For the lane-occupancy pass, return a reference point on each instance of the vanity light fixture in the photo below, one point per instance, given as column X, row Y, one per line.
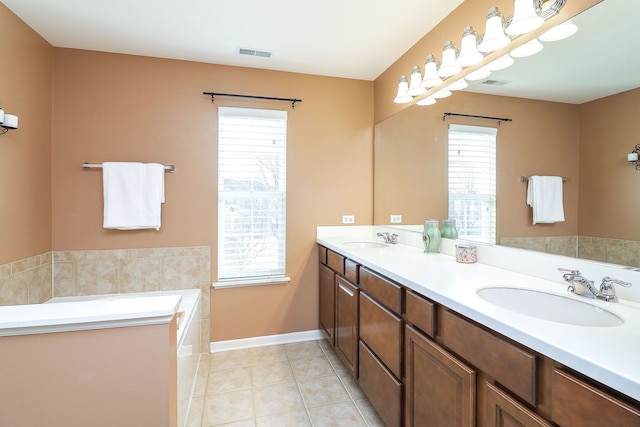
column 449, row 66
column 525, row 18
column 7, row 122
column 559, row 32
column 431, row 77
column 494, row 36
column 530, row 48
column 403, row 97
column 528, row 16
column 415, row 83
column 469, row 54
column 633, row 157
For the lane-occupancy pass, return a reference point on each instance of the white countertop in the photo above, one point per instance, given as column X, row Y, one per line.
column 90, row 314
column 606, row 354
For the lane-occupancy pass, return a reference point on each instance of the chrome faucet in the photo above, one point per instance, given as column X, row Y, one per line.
column 580, row 285
column 389, row 238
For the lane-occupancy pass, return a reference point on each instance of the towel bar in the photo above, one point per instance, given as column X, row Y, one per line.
column 526, row 178
column 87, row 166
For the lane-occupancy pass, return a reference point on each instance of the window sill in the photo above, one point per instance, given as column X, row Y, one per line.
column 251, row 282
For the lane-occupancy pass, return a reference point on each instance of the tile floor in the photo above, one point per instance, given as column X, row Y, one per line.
column 298, row 384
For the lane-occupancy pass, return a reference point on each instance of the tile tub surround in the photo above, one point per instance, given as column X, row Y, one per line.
column 95, row 272
column 604, row 354
column 26, row 281
column 296, row 384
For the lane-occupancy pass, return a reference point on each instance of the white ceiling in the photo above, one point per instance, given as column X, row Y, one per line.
column 342, row 38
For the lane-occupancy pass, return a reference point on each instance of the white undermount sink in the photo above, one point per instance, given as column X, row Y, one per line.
column 365, row 244
column 551, row 307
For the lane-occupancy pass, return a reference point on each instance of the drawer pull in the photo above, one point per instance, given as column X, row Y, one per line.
column 347, row 290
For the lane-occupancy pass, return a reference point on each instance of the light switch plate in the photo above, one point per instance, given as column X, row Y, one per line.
column 395, row 219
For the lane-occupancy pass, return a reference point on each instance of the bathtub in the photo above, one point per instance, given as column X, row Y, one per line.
column 188, row 337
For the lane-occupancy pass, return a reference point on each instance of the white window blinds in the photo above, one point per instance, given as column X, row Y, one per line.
column 472, row 181
column 252, row 149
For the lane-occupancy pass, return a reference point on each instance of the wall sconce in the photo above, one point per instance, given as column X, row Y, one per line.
column 7, row 121
column 633, row 157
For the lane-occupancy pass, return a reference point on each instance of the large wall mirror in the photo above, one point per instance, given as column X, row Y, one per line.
column 575, row 111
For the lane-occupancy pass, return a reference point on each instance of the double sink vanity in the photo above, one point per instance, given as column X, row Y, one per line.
column 433, row 342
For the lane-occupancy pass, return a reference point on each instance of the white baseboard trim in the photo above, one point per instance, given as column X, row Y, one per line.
column 218, row 346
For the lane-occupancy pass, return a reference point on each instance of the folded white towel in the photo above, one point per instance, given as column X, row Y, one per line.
column 133, row 194
column 544, row 195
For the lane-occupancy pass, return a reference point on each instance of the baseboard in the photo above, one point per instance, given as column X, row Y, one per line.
column 218, row 346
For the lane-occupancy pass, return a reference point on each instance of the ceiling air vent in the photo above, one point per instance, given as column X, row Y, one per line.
column 495, row 82
column 254, row 52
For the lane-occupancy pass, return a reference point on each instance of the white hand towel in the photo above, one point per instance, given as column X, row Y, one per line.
column 133, row 194
column 544, row 195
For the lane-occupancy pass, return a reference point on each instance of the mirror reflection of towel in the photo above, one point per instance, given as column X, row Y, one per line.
column 544, row 195
column 133, row 194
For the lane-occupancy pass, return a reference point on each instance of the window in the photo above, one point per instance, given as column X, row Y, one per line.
column 252, row 147
column 472, row 181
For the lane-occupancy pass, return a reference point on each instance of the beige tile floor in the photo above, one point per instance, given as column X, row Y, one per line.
column 298, row 384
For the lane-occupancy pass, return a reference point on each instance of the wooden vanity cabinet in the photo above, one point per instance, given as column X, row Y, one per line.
column 421, row 364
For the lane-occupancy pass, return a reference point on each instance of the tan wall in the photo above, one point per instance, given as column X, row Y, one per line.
column 609, row 195
column 411, row 159
column 112, row 107
column 106, row 377
column 25, row 153
column 470, row 12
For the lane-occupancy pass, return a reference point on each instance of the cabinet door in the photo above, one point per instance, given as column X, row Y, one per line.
column 347, row 324
column 501, row 410
column 439, row 389
column 327, row 302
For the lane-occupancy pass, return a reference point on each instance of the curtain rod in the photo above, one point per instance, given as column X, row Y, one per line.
column 499, row 119
column 270, row 98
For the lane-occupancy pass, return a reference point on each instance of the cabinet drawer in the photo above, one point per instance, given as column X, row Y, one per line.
column 322, row 254
column 381, row 330
column 382, row 389
column 352, row 271
column 503, row 410
column 335, row 261
column 507, row 364
column 389, row 294
column 420, row 312
column 576, row 403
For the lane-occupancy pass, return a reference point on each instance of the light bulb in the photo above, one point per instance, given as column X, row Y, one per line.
column 525, row 18
column 449, row 67
column 402, row 97
column 431, row 77
column 415, row 89
column 529, row 48
column 501, row 63
column 469, row 54
column 559, row 32
column 494, row 37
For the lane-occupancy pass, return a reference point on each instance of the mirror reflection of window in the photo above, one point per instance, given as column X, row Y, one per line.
column 472, row 181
